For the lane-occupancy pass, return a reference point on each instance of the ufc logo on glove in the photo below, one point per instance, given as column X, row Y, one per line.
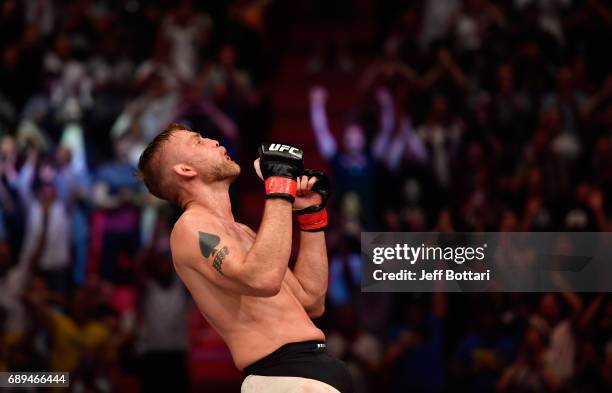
column 281, row 148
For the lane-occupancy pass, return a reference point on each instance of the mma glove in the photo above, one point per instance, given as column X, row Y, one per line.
column 280, row 166
column 314, row 218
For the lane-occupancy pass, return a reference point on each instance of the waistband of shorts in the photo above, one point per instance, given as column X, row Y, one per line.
column 314, row 346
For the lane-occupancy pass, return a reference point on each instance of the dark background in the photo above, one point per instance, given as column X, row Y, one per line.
column 441, row 115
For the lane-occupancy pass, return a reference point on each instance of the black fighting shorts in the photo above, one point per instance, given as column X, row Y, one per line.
column 308, row 359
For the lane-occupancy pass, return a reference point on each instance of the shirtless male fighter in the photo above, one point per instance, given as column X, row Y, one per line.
column 240, row 280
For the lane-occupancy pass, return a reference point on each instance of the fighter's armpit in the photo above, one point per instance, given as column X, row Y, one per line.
column 208, row 244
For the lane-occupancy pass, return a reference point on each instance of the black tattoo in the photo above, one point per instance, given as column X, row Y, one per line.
column 208, row 242
column 218, row 261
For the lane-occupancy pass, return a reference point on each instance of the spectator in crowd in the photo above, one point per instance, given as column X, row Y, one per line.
column 414, row 352
column 483, row 353
column 361, row 350
column 558, row 357
column 81, row 339
column 163, row 327
column 73, row 189
column 353, row 166
column 47, row 242
column 116, row 193
column 527, row 374
column 187, row 31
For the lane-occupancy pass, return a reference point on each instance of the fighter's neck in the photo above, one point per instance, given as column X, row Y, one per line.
column 212, row 198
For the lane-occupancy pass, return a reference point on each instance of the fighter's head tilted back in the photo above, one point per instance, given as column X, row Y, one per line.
column 179, row 160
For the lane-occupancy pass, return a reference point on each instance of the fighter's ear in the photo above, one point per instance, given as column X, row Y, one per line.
column 184, row 170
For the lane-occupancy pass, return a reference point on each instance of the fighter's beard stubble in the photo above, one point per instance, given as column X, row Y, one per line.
column 228, row 170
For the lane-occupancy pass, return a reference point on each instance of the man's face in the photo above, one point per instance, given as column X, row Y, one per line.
column 209, row 159
column 354, row 139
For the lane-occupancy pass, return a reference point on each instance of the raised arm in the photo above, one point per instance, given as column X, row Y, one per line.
column 309, row 278
column 387, row 123
column 219, row 257
column 226, row 125
column 326, row 143
column 407, row 139
column 222, row 259
column 26, row 177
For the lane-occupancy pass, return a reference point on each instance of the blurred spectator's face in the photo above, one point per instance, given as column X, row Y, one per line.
column 350, row 205
column 411, row 190
column 439, row 107
column 565, row 79
column 10, row 58
column 410, row 21
column 534, row 180
column 445, row 221
column 539, row 142
column 122, row 149
column 549, row 307
column 533, row 340
column 183, row 13
column 62, row 46
column 32, row 35
column 391, row 52
column 475, row 154
column 157, row 86
column 582, row 192
column 531, row 51
column 509, row 222
column 63, row 156
column 9, row 7
column 550, row 120
column 227, row 56
column 8, row 148
column 580, row 68
column 505, row 78
column 47, row 172
column 354, row 140
column 415, row 219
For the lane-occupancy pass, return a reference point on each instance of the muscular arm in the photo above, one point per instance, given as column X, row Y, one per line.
column 214, row 253
column 310, row 272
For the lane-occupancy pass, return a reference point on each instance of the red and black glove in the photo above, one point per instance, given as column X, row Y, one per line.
column 280, row 166
column 314, row 218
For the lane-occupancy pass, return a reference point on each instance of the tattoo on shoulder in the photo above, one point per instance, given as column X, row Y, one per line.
column 208, row 244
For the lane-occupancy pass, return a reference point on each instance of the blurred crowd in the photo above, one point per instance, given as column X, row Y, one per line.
column 86, row 279
column 479, row 116
column 473, row 115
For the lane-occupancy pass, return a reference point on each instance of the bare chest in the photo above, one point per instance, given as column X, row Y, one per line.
column 242, row 233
